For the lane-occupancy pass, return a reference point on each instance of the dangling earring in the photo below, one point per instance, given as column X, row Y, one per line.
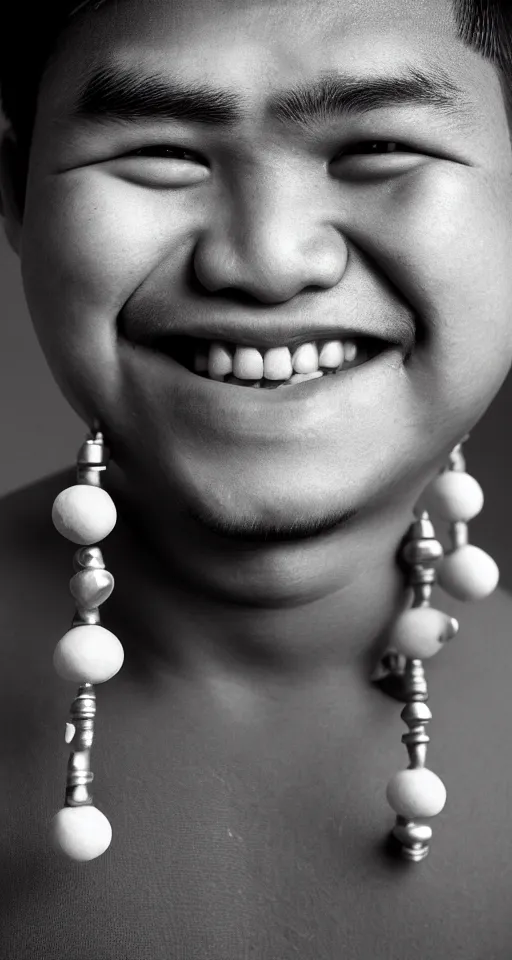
column 88, row 653
column 467, row 573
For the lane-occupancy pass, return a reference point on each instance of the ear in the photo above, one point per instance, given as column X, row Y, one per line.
column 13, row 177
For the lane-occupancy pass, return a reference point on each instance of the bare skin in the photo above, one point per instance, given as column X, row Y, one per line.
column 244, row 751
column 243, row 825
column 108, row 240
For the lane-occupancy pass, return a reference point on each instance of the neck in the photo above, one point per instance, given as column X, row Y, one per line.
column 257, row 614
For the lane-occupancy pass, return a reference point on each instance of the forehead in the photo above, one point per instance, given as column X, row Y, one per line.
column 257, row 33
column 255, row 46
column 146, row 19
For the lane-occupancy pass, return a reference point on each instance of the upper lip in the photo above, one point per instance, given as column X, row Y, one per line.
column 267, row 334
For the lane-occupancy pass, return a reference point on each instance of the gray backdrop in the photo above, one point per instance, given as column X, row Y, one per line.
column 41, row 434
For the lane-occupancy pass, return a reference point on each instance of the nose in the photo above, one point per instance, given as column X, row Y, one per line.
column 271, row 243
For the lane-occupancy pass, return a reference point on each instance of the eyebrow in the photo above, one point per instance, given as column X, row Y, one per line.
column 125, row 95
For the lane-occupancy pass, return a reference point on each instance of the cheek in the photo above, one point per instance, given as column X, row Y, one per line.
column 444, row 238
column 97, row 236
column 89, row 240
column 451, row 235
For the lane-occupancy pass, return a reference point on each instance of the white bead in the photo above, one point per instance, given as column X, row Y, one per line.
column 468, row 573
column 88, row 654
column 420, row 632
column 454, row 496
column 81, row 833
column 84, row 514
column 416, row 792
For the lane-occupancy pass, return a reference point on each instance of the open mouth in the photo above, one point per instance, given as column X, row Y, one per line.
column 268, row 368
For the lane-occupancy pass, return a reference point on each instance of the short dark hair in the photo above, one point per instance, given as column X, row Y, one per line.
column 28, row 38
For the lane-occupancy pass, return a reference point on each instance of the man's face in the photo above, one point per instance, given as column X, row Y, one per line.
column 258, row 230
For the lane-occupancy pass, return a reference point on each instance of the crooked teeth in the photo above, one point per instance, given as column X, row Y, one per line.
column 331, row 354
column 276, row 364
column 305, row 358
column 248, row 363
column 220, row 363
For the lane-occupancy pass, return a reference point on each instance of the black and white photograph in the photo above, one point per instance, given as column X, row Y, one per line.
column 255, row 480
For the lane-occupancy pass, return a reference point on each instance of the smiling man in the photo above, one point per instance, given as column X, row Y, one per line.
column 266, row 248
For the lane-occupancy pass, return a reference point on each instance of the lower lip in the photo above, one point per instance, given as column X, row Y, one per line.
column 227, row 408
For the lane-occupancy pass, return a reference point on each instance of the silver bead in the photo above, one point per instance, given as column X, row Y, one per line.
column 422, row 593
column 416, row 712
column 92, row 460
column 425, row 550
column 422, row 528
column 459, row 534
column 416, row 715
column 79, row 775
column 410, row 833
column 91, row 587
column 88, row 558
column 422, row 577
column 415, row 684
column 93, row 451
column 84, row 618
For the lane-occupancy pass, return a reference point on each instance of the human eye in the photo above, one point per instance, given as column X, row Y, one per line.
column 168, row 152
column 376, row 159
column 162, row 164
column 375, row 148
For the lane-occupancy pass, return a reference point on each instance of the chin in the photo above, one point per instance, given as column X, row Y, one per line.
column 238, row 515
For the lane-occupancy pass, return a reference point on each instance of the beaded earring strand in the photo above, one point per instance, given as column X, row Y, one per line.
column 88, row 653
column 467, row 573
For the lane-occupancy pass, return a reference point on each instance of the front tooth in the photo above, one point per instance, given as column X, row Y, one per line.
column 277, row 364
column 248, row 363
column 219, row 361
column 331, row 354
column 350, row 350
column 305, row 358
